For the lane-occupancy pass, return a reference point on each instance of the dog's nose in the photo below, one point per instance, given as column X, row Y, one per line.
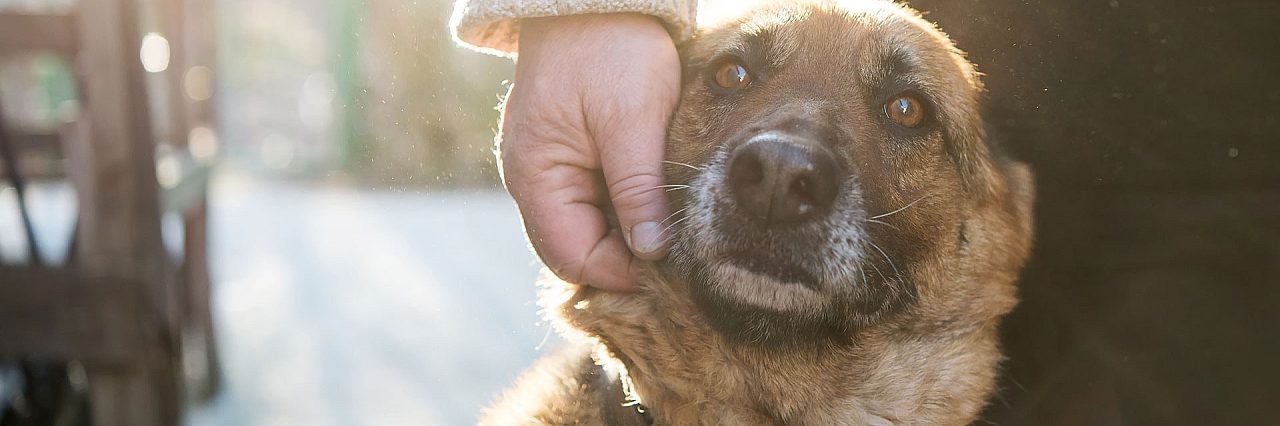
column 780, row 181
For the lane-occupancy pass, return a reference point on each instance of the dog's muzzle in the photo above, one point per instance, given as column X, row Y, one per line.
column 780, row 179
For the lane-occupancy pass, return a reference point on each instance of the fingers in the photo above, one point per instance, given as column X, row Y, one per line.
column 629, row 126
column 631, row 157
column 550, row 172
column 575, row 244
column 593, row 97
column 567, row 229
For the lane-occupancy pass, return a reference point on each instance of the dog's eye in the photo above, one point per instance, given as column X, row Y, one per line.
column 906, row 110
column 732, row 75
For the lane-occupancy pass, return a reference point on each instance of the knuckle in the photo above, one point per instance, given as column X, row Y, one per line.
column 567, row 267
column 635, row 191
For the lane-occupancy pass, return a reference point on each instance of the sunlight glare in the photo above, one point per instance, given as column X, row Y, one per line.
column 154, row 52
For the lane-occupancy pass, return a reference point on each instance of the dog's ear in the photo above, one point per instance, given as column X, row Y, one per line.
column 1020, row 183
column 1013, row 204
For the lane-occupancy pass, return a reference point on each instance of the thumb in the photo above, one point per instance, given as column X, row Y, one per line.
column 631, row 161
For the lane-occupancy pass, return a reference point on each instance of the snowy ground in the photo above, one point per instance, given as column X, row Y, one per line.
column 338, row 306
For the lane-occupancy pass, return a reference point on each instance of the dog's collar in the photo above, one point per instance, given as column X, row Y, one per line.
column 617, row 409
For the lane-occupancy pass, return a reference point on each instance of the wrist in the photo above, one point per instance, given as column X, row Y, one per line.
column 600, row 30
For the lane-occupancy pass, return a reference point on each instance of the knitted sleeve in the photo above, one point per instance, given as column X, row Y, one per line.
column 493, row 26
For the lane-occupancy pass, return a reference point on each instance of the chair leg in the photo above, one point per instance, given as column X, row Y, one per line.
column 198, row 318
column 141, row 393
column 9, row 155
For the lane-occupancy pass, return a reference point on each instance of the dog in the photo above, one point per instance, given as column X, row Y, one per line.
column 847, row 239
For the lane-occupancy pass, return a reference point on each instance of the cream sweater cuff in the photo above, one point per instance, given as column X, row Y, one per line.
column 493, row 26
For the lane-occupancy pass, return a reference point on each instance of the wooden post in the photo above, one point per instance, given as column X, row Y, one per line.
column 120, row 214
column 199, row 34
column 199, row 315
column 176, row 127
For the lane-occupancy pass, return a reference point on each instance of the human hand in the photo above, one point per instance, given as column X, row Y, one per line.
column 593, row 95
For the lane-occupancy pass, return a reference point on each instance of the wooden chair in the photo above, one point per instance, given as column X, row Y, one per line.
column 121, row 305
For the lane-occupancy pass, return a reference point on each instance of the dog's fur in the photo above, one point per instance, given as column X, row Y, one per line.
column 912, row 269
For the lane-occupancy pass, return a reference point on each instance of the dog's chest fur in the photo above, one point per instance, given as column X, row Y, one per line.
column 685, row 373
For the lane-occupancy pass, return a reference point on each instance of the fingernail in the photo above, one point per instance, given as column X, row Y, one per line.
column 647, row 238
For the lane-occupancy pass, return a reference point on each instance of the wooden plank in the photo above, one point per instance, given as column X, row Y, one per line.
column 176, row 114
column 198, row 51
column 58, row 314
column 50, row 143
column 144, row 393
column 199, row 314
column 200, row 37
column 39, row 156
column 119, row 199
column 20, row 33
column 119, row 231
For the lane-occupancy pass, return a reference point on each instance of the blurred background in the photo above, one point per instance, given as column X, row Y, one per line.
column 365, row 265
column 332, row 245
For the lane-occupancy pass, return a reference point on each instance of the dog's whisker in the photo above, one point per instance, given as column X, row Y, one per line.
column 673, row 224
column 900, row 209
column 674, row 215
column 883, row 223
column 674, row 187
column 887, row 259
column 878, row 271
column 682, row 164
column 545, row 338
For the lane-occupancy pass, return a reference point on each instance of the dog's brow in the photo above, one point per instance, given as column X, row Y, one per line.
column 898, row 66
column 900, row 62
column 755, row 47
column 760, row 38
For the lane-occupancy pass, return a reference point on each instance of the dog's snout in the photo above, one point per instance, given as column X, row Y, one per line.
column 782, row 181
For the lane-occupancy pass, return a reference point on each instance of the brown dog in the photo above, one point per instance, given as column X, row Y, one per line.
column 848, row 242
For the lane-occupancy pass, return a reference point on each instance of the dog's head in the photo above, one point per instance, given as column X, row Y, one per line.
column 838, row 176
